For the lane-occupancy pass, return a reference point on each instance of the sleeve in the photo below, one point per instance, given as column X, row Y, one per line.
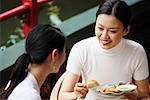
column 75, row 63
column 141, row 70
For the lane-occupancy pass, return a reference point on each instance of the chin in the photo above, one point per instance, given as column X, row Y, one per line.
column 108, row 46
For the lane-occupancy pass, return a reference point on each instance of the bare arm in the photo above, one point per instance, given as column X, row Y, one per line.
column 142, row 92
column 143, row 88
column 70, row 88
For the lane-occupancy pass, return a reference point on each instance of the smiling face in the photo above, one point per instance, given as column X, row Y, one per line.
column 109, row 31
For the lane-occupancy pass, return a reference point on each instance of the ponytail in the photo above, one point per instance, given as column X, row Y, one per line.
column 18, row 74
column 41, row 41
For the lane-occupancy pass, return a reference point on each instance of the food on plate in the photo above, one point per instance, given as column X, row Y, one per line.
column 109, row 89
column 117, row 88
column 126, row 87
column 114, row 89
column 92, row 83
column 123, row 83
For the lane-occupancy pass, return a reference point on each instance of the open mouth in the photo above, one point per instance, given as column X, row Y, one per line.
column 105, row 42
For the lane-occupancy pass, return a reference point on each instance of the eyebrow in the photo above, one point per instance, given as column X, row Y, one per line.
column 109, row 28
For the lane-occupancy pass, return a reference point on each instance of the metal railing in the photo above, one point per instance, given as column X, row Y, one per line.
column 28, row 11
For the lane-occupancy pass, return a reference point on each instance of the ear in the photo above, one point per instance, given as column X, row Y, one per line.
column 54, row 56
column 126, row 31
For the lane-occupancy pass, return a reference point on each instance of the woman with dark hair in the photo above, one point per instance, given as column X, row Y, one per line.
column 107, row 57
column 45, row 53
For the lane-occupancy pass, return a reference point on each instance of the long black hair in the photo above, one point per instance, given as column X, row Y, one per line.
column 117, row 8
column 41, row 40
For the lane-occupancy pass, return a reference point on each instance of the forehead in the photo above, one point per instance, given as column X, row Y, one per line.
column 108, row 21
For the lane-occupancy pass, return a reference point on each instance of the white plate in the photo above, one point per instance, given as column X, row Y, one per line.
column 96, row 90
column 127, row 87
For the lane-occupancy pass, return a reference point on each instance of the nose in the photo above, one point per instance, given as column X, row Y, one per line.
column 104, row 34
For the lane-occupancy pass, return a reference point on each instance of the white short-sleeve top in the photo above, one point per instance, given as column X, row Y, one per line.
column 125, row 61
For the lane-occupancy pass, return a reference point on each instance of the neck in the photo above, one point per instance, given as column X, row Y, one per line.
column 39, row 72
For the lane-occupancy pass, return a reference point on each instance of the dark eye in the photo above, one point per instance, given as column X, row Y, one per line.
column 100, row 28
column 113, row 31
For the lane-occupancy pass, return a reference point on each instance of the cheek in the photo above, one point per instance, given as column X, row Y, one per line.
column 97, row 32
column 64, row 55
column 62, row 58
column 116, row 38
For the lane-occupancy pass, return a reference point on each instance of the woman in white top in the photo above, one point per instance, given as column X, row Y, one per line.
column 45, row 53
column 106, row 57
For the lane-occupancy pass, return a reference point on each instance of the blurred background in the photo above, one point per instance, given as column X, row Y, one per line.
column 76, row 18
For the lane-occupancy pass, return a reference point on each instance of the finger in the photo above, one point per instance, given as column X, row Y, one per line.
column 83, row 91
column 130, row 96
column 80, row 85
column 78, row 88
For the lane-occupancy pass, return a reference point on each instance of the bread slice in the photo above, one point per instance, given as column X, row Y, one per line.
column 92, row 83
column 108, row 89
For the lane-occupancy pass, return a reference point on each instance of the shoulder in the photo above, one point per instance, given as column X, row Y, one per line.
column 25, row 91
column 134, row 47
column 85, row 42
column 24, row 94
column 32, row 95
column 83, row 46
